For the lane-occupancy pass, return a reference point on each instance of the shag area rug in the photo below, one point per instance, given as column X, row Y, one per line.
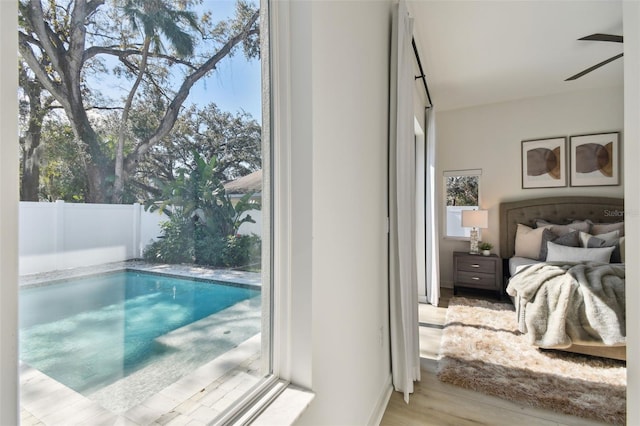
column 482, row 350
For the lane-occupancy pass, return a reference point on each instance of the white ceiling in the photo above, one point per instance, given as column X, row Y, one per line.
column 487, row 51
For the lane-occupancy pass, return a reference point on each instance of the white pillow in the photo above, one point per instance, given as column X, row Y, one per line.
column 528, row 241
column 558, row 253
column 609, row 237
column 601, row 228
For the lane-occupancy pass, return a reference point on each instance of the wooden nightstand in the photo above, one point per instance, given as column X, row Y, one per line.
column 477, row 272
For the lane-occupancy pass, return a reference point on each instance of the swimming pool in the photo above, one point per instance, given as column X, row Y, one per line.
column 92, row 333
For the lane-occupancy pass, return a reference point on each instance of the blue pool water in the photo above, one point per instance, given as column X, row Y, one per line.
column 92, row 332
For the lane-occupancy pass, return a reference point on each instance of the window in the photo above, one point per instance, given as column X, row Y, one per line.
column 462, row 192
column 159, row 167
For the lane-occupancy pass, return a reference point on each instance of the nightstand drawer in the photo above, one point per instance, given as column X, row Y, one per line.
column 476, row 264
column 477, row 280
column 472, row 271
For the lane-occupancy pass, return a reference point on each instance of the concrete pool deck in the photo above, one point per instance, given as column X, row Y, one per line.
column 192, row 271
column 195, row 399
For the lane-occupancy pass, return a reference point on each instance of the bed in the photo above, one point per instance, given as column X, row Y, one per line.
column 604, row 218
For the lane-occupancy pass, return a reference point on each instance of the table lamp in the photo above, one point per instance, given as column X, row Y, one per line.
column 475, row 219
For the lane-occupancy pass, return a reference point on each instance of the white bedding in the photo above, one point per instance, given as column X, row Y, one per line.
column 560, row 304
column 517, row 263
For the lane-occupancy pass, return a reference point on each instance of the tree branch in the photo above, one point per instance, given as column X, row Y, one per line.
column 78, row 33
column 35, row 16
column 28, row 38
column 148, row 77
column 105, row 108
column 148, row 188
column 55, row 88
column 106, row 50
column 93, row 5
column 167, row 122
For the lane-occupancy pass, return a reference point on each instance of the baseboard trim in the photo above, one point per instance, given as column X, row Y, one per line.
column 422, row 299
column 381, row 405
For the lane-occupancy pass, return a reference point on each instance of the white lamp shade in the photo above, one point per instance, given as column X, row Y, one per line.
column 475, row 218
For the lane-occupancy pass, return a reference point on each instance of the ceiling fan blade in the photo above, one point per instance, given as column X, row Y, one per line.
column 595, row 67
column 603, row 37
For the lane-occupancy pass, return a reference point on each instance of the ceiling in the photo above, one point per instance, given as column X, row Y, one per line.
column 488, row 51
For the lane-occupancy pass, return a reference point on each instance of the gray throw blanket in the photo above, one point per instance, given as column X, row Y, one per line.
column 575, row 303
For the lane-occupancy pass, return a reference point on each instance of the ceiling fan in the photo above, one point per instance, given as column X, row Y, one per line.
column 598, row 37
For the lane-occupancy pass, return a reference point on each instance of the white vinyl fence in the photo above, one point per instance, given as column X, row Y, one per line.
column 249, row 228
column 454, row 221
column 63, row 235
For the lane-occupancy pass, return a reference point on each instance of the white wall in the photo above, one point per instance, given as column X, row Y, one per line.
column 631, row 13
column 489, row 138
column 61, row 235
column 340, row 71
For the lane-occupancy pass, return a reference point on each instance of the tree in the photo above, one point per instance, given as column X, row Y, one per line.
column 62, row 176
column 58, row 35
column 234, row 139
column 462, row 191
column 155, row 17
column 35, row 106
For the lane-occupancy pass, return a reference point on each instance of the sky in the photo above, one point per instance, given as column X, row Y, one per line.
column 234, row 86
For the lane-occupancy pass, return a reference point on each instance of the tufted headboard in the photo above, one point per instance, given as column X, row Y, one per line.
column 554, row 210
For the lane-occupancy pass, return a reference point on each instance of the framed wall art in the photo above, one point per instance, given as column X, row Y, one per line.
column 595, row 159
column 544, row 163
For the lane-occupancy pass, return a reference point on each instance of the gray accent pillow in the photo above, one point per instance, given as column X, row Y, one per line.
column 595, row 242
column 572, row 239
column 578, row 225
column 609, row 237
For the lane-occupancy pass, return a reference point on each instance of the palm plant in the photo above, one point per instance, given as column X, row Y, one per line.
column 155, row 18
column 202, row 216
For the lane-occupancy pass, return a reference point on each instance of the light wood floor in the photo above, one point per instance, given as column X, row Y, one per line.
column 437, row 403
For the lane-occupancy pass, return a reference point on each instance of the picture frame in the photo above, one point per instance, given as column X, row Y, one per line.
column 595, row 159
column 544, row 163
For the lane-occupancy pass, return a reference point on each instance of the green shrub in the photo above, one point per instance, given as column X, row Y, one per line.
column 242, row 251
column 203, row 221
column 176, row 245
column 209, row 248
column 188, row 241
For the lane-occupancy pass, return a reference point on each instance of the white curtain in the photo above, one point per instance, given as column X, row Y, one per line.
column 421, row 212
column 433, row 258
column 403, row 290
